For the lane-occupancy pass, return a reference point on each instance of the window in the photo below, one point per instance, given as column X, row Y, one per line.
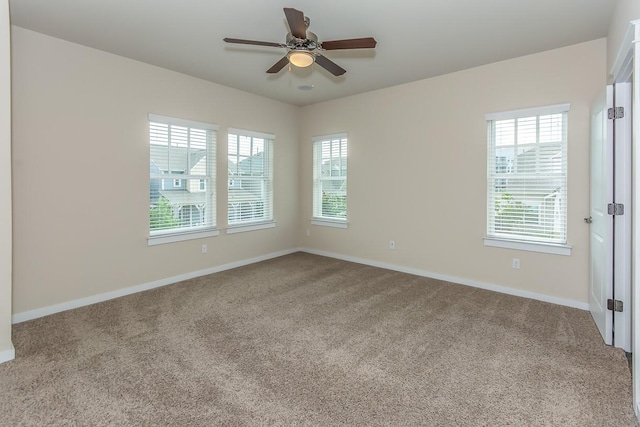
column 330, row 180
column 182, row 179
column 527, row 176
column 250, row 181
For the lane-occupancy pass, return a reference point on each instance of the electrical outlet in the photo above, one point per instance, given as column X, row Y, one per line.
column 516, row 263
column 308, row 232
column 392, row 244
column 204, row 249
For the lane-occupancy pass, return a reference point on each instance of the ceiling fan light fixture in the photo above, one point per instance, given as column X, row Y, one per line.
column 300, row 58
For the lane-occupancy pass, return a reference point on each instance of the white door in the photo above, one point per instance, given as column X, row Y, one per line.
column 601, row 227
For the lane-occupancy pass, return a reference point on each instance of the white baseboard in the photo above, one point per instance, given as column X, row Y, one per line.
column 7, row 355
column 461, row 281
column 69, row 305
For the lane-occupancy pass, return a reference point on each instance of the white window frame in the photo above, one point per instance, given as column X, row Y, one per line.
column 267, row 221
column 156, row 237
column 319, row 181
column 510, row 240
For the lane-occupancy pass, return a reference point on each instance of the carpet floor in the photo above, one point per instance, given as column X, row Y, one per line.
column 309, row 340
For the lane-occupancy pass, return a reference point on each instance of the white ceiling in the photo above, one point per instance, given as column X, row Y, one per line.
column 416, row 39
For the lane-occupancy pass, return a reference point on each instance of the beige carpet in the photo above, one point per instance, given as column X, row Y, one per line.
column 307, row 340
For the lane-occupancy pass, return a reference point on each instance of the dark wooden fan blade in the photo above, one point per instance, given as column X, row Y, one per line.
column 254, row 42
column 330, row 66
column 363, row 43
column 278, row 65
column 295, row 18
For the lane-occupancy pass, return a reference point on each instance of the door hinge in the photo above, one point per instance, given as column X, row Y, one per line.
column 614, row 305
column 615, row 209
column 615, row 113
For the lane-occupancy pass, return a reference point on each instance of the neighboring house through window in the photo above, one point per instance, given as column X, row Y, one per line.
column 250, row 180
column 330, row 180
column 182, row 179
column 527, row 178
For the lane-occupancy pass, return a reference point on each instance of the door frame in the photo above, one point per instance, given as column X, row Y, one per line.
column 622, row 193
column 628, row 62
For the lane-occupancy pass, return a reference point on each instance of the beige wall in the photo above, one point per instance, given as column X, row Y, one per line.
column 417, row 170
column 624, row 12
column 5, row 182
column 81, row 155
column 81, row 171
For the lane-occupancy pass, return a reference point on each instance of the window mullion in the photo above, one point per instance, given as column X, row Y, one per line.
column 538, row 147
column 169, row 138
column 514, row 167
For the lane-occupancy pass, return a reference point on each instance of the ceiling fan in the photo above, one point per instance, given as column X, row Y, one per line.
column 304, row 48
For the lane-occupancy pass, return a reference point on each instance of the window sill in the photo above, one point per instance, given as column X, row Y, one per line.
column 241, row 228
column 329, row 223
column 548, row 248
column 180, row 237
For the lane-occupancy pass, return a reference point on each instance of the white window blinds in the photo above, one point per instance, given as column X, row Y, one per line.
column 330, row 177
column 250, row 179
column 182, row 175
column 527, row 175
